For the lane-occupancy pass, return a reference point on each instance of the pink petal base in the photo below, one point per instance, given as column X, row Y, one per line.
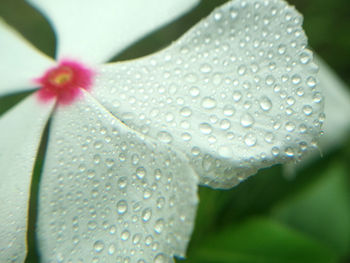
column 64, row 82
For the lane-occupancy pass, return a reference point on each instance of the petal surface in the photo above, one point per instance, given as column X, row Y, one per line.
column 110, row 195
column 20, row 62
column 20, row 133
column 236, row 93
column 337, row 107
column 95, row 31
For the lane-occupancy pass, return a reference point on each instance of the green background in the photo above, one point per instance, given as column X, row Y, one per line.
column 269, row 218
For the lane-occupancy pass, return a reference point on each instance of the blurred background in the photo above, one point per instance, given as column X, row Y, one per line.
column 270, row 217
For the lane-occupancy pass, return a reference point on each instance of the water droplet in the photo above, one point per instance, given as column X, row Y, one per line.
column 307, row 109
column 111, row 249
column 229, row 111
column 208, row 103
column 99, row 246
column 269, row 137
column 122, row 182
column 194, row 91
column 165, row 137
column 242, row 69
column 290, row 126
column 311, row 82
column 225, row 124
column 233, row 13
column 317, row 97
column 136, row 239
column 237, row 95
column 140, row 172
column 205, row 128
column 160, row 258
column 265, row 103
column 186, row 111
column 275, row 151
column 289, row 152
column 306, row 56
column 125, row 235
column 206, row 68
column 186, row 136
column 146, row 214
column 122, row 207
column 247, row 120
column 270, row 80
column 159, row 226
column 92, row 225
column 250, row 139
column 217, row 16
column 296, row 79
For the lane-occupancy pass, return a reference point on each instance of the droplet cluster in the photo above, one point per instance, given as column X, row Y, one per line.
column 237, row 93
column 109, row 195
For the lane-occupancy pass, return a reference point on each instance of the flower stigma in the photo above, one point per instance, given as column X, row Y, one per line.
column 64, row 82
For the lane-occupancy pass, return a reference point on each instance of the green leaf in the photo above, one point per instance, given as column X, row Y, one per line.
column 261, row 240
column 323, row 209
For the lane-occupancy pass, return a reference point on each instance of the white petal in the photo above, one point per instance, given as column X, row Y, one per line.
column 235, row 93
column 94, row 31
column 108, row 194
column 20, row 62
column 337, row 107
column 20, row 133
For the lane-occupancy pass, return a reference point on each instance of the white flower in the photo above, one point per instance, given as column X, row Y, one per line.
column 235, row 94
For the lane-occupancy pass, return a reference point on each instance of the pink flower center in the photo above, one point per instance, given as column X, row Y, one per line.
column 64, row 82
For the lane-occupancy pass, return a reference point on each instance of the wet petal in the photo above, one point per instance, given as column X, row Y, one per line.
column 104, row 28
column 108, row 194
column 20, row 62
column 337, row 107
column 20, row 133
column 236, row 93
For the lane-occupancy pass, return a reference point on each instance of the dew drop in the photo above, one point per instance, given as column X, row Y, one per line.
column 159, row 226
column 140, row 172
column 247, row 120
column 289, row 152
column 205, row 128
column 125, row 235
column 290, row 126
column 160, row 258
column 165, row 137
column 250, row 139
column 208, row 103
column 205, row 68
column 265, row 103
column 185, row 112
column 237, row 95
column 111, row 249
column 122, row 207
column 242, row 69
column 225, row 124
column 275, row 151
column 146, row 215
column 229, row 111
column 99, row 246
column 311, row 82
column 233, row 13
column 307, row 109
column 194, row 91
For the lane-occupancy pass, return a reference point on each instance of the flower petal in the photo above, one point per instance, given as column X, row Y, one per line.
column 104, row 28
column 236, row 93
column 109, row 194
column 337, row 107
column 20, row 133
column 20, row 62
